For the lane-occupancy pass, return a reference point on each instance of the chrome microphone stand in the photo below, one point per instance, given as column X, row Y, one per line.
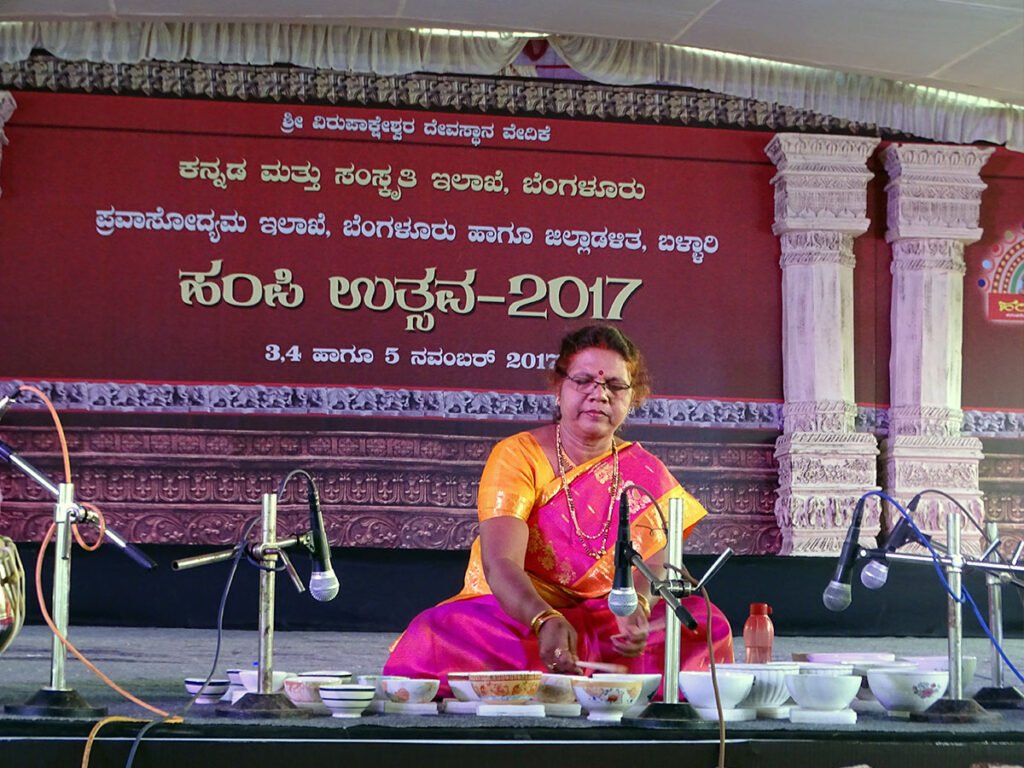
column 264, row 702
column 998, row 695
column 670, row 712
column 954, row 708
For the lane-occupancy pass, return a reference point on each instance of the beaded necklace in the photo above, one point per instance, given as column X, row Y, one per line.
column 583, row 536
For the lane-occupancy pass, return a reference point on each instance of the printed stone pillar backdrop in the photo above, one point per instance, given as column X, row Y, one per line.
column 934, row 201
column 824, row 465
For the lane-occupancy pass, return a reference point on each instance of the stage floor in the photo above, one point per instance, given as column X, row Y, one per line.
column 152, row 663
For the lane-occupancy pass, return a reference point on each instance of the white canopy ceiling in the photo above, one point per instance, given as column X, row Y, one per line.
column 968, row 46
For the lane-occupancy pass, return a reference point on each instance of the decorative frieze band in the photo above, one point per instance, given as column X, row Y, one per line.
column 802, row 248
column 928, row 255
column 923, row 420
column 822, row 416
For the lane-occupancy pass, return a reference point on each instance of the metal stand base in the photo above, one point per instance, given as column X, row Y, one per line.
column 954, row 711
column 48, row 702
column 661, row 715
column 1000, row 698
column 265, row 705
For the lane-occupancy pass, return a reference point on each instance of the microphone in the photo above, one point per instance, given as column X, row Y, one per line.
column 622, row 599
column 7, row 453
column 876, row 572
column 323, row 583
column 837, row 595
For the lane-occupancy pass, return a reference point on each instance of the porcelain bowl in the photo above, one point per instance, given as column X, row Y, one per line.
column 507, row 687
column 608, row 697
column 462, row 689
column 215, row 688
column 650, row 680
column 830, row 693
column 968, row 668
column 304, row 690
column 377, row 681
column 556, row 689
column 850, row 657
column 343, row 674
column 250, row 679
column 863, row 667
column 769, row 688
column 907, row 690
column 410, row 690
column 347, row 699
column 698, row 689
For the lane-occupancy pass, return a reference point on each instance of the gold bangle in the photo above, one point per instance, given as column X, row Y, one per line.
column 643, row 604
column 538, row 621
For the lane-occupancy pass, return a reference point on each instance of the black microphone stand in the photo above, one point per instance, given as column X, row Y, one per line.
column 57, row 699
column 264, row 702
column 671, row 713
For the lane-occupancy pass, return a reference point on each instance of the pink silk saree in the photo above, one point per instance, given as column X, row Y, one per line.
column 471, row 632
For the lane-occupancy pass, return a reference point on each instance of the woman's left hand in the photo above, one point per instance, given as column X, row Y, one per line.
column 632, row 637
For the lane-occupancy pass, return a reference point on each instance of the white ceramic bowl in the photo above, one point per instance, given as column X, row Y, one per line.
column 506, row 687
column 608, row 698
column 907, row 690
column 214, row 689
column 346, row 700
column 250, row 679
column 556, row 689
column 769, row 688
column 304, row 690
column 344, row 674
column 733, row 687
column 823, row 692
column 849, row 657
column 968, row 668
column 377, row 681
column 410, row 690
column 650, row 680
column 818, row 668
column 461, row 687
column 863, row 667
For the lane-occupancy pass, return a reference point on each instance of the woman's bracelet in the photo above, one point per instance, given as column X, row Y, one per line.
column 538, row 621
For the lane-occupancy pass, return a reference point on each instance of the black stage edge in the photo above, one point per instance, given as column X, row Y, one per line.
column 223, row 743
column 382, row 589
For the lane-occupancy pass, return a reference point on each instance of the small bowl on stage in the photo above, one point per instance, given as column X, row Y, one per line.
column 969, row 665
column 849, row 657
column 506, row 687
column 410, row 690
column 649, row 680
column 768, row 691
column 461, row 687
column 699, row 690
column 215, row 688
column 906, row 691
column 825, row 693
column 343, row 674
column 304, row 690
column 556, row 689
column 346, row 700
column 607, row 699
column 377, row 681
column 250, row 679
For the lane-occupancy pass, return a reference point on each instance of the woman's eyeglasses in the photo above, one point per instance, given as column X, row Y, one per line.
column 588, row 384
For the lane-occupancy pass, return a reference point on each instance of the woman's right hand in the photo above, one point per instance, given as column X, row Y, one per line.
column 556, row 643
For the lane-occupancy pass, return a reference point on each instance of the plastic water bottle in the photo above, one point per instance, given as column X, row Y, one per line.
column 758, row 634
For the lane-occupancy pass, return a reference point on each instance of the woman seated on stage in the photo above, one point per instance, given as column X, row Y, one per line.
column 539, row 575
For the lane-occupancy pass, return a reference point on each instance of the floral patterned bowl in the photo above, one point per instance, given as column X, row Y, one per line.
column 902, row 691
column 515, row 687
column 609, row 697
column 410, row 690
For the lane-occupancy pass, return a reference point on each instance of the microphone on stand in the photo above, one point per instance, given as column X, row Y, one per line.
column 323, row 583
column 837, row 595
column 876, row 572
column 622, row 600
column 7, row 453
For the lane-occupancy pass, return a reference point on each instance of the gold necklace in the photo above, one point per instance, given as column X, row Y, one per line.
column 583, row 536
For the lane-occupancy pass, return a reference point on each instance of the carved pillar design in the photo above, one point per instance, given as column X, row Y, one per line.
column 7, row 107
column 934, row 201
column 824, row 465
